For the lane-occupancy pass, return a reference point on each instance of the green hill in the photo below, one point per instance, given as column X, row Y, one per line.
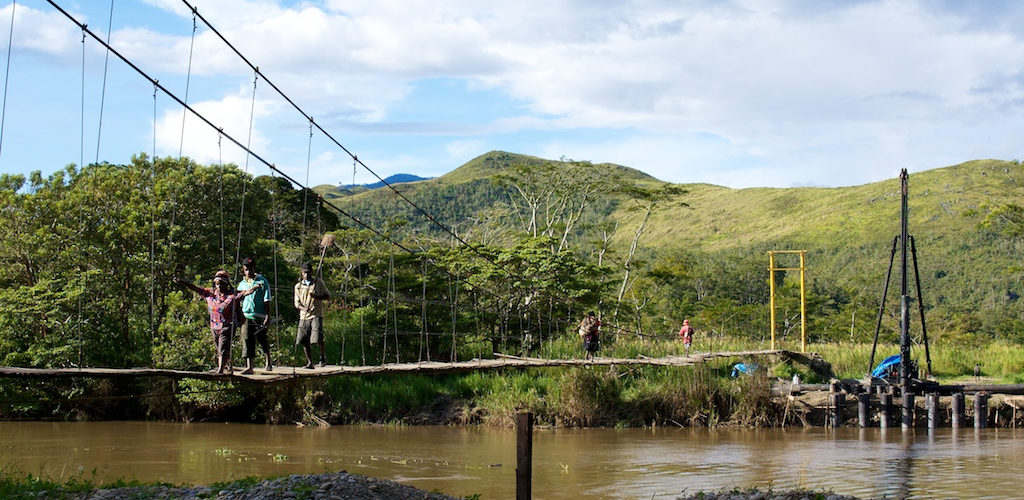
column 968, row 272
column 453, row 198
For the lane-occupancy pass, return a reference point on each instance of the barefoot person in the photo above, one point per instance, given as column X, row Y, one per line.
column 254, row 308
column 221, row 300
column 310, row 293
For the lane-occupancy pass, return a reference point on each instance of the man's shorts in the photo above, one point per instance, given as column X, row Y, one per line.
column 310, row 331
column 254, row 331
column 222, row 341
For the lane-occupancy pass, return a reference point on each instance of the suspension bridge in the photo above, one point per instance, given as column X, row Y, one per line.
column 516, row 318
column 501, row 361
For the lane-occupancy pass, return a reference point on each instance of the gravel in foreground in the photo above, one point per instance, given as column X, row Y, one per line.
column 345, row 486
column 333, row 486
column 755, row 494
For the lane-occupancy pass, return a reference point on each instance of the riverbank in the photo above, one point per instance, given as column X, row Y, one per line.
column 333, row 486
column 704, row 395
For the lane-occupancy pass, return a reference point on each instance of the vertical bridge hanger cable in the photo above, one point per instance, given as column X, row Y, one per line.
column 7, row 76
column 256, row 156
column 103, row 91
column 355, row 158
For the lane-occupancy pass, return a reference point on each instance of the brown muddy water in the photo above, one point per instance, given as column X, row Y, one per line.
column 587, row 463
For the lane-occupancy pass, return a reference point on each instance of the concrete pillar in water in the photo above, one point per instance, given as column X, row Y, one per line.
column 932, row 403
column 838, row 400
column 958, row 410
column 885, row 401
column 907, row 420
column 864, row 409
column 980, row 410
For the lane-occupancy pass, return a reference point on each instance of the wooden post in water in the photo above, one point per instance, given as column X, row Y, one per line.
column 980, row 410
column 931, row 401
column 864, row 409
column 958, row 410
column 907, row 421
column 524, row 456
column 885, row 401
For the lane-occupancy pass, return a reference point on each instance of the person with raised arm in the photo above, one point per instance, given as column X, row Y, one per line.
column 221, row 300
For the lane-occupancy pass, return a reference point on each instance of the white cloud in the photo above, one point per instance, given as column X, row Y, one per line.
column 793, row 89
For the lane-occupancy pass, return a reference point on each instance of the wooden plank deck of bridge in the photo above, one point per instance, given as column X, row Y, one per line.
column 283, row 373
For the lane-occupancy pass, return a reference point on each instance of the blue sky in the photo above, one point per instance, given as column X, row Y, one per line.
column 737, row 93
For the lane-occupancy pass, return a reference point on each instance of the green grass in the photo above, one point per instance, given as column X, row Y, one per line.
column 17, row 484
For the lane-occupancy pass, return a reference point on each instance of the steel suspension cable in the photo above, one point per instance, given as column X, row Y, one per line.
column 423, row 313
column 245, row 180
column 231, row 138
column 7, row 76
column 247, row 149
column 249, row 152
column 188, row 82
column 277, row 291
column 355, row 159
column 152, row 229
column 305, row 192
column 220, row 197
column 103, row 90
column 81, row 175
column 394, row 306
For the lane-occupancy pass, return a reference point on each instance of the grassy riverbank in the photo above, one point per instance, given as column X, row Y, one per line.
column 702, row 396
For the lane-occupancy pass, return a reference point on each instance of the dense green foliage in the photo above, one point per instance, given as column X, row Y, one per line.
column 87, row 255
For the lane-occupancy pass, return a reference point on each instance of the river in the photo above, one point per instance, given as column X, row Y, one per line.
column 578, row 463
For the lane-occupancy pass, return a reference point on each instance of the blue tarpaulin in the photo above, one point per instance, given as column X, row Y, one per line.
column 739, row 368
column 885, row 366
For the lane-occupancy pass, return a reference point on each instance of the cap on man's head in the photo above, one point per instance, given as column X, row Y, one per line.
column 306, row 267
column 222, row 275
column 591, row 313
column 248, row 262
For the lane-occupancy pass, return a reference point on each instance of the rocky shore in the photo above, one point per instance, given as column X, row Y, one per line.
column 333, row 486
column 345, row 486
column 756, row 494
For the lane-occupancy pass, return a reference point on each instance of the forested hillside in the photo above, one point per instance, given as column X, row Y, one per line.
column 968, row 262
column 702, row 251
column 88, row 254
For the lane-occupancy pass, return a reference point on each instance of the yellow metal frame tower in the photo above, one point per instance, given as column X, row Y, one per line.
column 803, row 296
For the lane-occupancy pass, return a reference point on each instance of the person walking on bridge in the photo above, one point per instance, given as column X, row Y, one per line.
column 221, row 301
column 255, row 309
column 686, row 335
column 310, row 292
column 589, row 330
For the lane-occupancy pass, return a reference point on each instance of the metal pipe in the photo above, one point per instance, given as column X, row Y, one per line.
column 904, row 299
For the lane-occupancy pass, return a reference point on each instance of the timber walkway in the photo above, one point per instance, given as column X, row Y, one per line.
column 284, row 373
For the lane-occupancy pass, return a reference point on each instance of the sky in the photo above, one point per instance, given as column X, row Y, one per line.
column 740, row 93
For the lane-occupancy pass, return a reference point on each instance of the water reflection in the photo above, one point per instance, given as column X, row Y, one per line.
column 594, row 463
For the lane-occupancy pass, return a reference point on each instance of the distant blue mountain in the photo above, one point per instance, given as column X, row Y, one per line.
column 394, row 179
